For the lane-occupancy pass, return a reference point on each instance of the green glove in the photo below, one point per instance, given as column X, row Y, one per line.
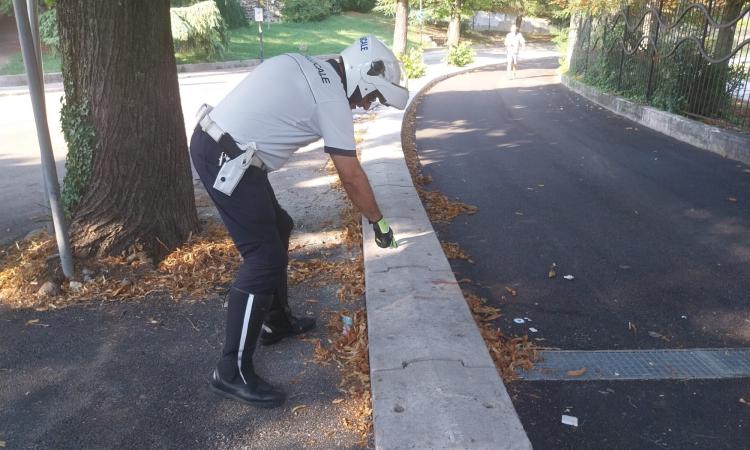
column 383, row 234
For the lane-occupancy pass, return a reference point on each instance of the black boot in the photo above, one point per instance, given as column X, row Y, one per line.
column 234, row 376
column 282, row 324
column 254, row 390
column 279, row 322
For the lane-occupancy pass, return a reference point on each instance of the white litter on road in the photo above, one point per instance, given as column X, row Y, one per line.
column 570, row 420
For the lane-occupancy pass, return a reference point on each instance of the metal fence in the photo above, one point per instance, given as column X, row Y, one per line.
column 688, row 58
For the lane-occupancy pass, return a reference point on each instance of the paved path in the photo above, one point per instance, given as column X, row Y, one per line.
column 21, row 186
column 643, row 222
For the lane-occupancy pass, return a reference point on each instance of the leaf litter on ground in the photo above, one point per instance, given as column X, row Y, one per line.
column 509, row 354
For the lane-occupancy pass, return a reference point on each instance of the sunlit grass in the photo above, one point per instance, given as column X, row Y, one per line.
column 313, row 38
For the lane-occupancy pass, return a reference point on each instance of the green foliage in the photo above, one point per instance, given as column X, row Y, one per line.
column 460, row 55
column 358, row 5
column 232, row 12
column 682, row 83
column 6, row 7
column 413, row 63
column 48, row 30
column 201, row 29
column 81, row 138
column 308, row 11
column 560, row 38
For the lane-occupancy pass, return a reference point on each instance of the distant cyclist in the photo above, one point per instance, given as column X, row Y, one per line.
column 514, row 42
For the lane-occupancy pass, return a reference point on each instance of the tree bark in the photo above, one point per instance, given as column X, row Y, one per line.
column 725, row 39
column 454, row 26
column 118, row 58
column 401, row 28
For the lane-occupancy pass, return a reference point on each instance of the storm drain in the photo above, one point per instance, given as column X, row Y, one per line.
column 686, row 364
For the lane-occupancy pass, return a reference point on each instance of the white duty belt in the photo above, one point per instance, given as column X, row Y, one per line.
column 231, row 170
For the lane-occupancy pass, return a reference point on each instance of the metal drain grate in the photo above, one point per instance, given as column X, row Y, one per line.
column 687, row 364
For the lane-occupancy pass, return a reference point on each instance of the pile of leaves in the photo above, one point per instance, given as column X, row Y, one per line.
column 509, row 354
column 199, row 268
column 346, row 349
column 349, row 353
column 348, row 272
column 453, row 251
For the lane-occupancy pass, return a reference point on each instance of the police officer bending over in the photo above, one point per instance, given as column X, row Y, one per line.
column 286, row 103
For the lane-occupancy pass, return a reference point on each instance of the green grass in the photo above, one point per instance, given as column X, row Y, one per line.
column 326, row 37
column 15, row 66
column 321, row 38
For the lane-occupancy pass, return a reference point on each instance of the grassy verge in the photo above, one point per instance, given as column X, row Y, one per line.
column 14, row 66
column 320, row 38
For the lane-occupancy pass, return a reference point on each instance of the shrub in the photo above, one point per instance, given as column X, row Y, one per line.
column 306, row 11
column 461, row 54
column 358, row 5
column 48, row 30
column 413, row 62
column 200, row 28
column 232, row 12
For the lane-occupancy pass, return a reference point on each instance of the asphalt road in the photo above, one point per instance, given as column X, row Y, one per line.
column 656, row 234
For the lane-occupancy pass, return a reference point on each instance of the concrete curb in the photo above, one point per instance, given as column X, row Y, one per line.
column 434, row 384
column 724, row 142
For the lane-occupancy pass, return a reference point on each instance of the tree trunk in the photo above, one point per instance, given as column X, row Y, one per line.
column 725, row 40
column 118, row 61
column 401, row 27
column 454, row 26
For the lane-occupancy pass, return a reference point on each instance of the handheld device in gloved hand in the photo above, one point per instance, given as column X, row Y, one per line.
column 383, row 234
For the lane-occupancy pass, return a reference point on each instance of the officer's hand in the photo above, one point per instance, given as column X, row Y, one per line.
column 383, row 234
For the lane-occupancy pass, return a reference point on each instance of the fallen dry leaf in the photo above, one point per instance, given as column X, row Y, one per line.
column 453, row 251
column 32, row 321
column 552, row 271
column 297, row 408
column 337, row 401
column 576, row 373
column 511, row 291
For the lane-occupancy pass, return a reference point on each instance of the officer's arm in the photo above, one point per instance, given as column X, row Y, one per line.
column 357, row 186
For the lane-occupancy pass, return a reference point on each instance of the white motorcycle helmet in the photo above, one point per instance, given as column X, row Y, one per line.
column 371, row 66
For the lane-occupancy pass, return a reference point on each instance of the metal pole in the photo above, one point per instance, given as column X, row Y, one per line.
column 260, row 32
column 34, row 22
column 36, row 89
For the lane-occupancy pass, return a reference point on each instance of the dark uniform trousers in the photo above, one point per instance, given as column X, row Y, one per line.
column 260, row 229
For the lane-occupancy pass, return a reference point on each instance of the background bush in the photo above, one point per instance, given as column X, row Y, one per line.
column 413, row 62
column 201, row 29
column 461, row 54
column 358, row 5
column 48, row 30
column 308, row 11
column 232, row 13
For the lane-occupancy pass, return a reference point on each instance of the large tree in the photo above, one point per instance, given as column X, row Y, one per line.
column 401, row 27
column 124, row 126
column 454, row 22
